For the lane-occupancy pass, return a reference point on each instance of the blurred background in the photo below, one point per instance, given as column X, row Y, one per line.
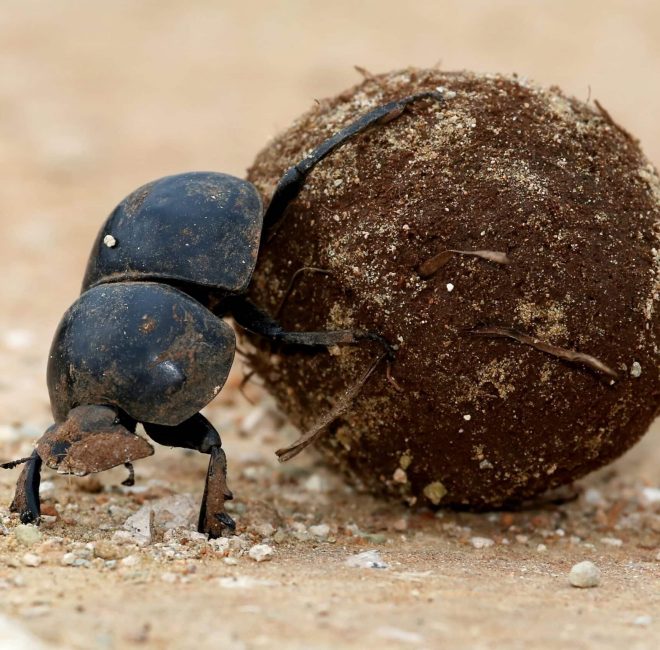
column 97, row 98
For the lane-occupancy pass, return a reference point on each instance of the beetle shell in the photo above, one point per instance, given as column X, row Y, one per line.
column 147, row 348
column 200, row 227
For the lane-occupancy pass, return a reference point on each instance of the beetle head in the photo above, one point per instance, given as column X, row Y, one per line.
column 92, row 439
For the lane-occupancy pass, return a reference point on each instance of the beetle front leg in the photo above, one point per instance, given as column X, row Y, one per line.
column 198, row 433
column 26, row 498
column 213, row 519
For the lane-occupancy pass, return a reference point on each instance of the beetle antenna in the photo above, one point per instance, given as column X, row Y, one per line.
column 14, row 463
column 287, row 453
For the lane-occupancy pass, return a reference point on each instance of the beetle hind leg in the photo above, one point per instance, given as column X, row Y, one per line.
column 199, row 434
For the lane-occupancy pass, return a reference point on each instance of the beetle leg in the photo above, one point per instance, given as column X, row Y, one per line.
column 26, row 499
column 198, row 433
column 248, row 316
column 293, row 179
column 130, row 479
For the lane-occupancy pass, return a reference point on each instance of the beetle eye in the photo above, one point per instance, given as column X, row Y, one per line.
column 116, row 421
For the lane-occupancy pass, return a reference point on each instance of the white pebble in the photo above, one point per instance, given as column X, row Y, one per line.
column 541, row 548
column 481, row 542
column 651, row 495
column 400, row 476
column 643, row 621
column 315, row 483
column 46, row 489
column 109, row 241
column 68, row 559
column 594, row 497
column 584, row 574
column 130, row 560
column 450, row 287
column 467, row 417
column 243, row 582
column 261, row 552
column 635, row 369
column 397, row 634
column 27, row 534
column 140, row 525
column 31, row 559
column 168, row 576
column 265, row 530
column 366, row 560
column 611, row 541
column 322, row 530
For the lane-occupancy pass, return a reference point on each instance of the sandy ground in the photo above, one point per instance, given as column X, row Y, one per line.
column 96, row 99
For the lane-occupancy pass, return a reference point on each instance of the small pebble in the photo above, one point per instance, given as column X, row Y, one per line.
column 400, row 476
column 611, row 541
column 366, row 560
column 109, row 241
column 398, row 635
column 481, row 542
column 261, row 552
column 541, row 548
column 651, row 495
column 243, row 582
column 279, row 536
column 584, row 575
column 643, row 621
column 46, row 489
column 68, row 559
column 315, row 483
column 635, row 369
column 450, row 287
column 27, row 534
column 140, row 526
column 168, row 576
column 130, row 560
column 400, row 525
column 265, row 530
column 31, row 559
column 322, row 530
column 108, row 551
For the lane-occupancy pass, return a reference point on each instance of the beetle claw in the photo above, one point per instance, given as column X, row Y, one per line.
column 226, row 520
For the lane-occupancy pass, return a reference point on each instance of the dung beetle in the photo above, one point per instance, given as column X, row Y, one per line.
column 146, row 341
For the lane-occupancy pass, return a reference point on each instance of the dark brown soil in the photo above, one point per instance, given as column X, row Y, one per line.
column 503, row 166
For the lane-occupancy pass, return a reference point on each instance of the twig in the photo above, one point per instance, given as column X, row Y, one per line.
column 554, row 350
column 431, row 266
column 313, row 434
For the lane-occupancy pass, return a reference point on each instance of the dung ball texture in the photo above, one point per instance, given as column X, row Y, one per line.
column 510, row 378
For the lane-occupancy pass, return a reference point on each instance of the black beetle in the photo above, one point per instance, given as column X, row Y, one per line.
column 146, row 342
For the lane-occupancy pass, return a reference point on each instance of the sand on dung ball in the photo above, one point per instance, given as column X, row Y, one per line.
column 502, row 166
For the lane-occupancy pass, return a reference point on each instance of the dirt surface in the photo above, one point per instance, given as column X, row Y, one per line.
column 96, row 100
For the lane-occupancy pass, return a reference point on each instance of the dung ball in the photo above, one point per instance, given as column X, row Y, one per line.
column 505, row 241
